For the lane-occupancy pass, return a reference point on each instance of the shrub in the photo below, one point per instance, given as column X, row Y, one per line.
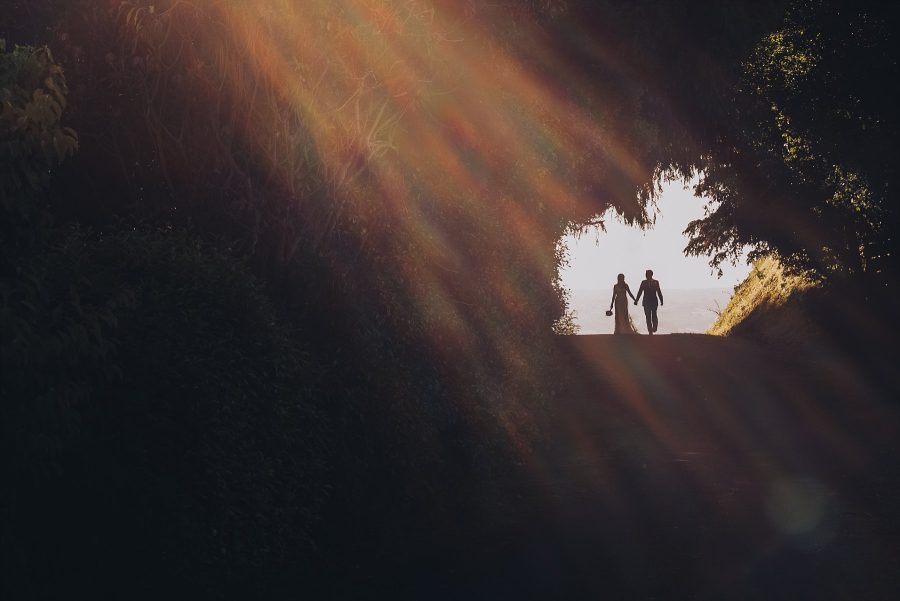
column 158, row 422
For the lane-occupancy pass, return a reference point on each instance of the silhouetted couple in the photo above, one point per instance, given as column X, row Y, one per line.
column 649, row 290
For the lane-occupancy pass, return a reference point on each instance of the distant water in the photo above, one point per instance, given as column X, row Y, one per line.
column 685, row 310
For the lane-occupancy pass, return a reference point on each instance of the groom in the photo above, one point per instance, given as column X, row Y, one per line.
column 650, row 289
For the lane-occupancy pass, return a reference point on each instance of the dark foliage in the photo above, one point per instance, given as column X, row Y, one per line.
column 157, row 419
column 809, row 171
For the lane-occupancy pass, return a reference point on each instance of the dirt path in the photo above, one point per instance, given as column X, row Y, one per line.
column 690, row 466
column 683, row 467
column 718, row 468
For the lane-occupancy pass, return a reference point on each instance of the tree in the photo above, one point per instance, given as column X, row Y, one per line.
column 810, row 175
column 156, row 411
column 33, row 142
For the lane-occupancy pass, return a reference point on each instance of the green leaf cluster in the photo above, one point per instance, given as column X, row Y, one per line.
column 32, row 140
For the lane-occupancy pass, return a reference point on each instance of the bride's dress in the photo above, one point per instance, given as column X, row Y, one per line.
column 623, row 321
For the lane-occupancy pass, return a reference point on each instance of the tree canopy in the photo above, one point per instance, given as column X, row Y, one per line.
column 810, row 174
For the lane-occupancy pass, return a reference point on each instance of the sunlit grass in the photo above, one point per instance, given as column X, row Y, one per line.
column 766, row 289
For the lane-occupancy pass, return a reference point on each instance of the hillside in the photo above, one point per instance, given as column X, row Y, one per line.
column 769, row 305
column 833, row 323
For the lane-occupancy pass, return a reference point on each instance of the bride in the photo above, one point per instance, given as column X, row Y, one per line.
column 620, row 295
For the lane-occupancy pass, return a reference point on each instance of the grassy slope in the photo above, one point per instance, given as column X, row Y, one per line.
column 834, row 325
column 769, row 305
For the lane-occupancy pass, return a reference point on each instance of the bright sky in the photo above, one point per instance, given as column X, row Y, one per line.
column 595, row 260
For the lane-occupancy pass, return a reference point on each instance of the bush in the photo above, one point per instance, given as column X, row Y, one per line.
column 158, row 422
column 32, row 139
